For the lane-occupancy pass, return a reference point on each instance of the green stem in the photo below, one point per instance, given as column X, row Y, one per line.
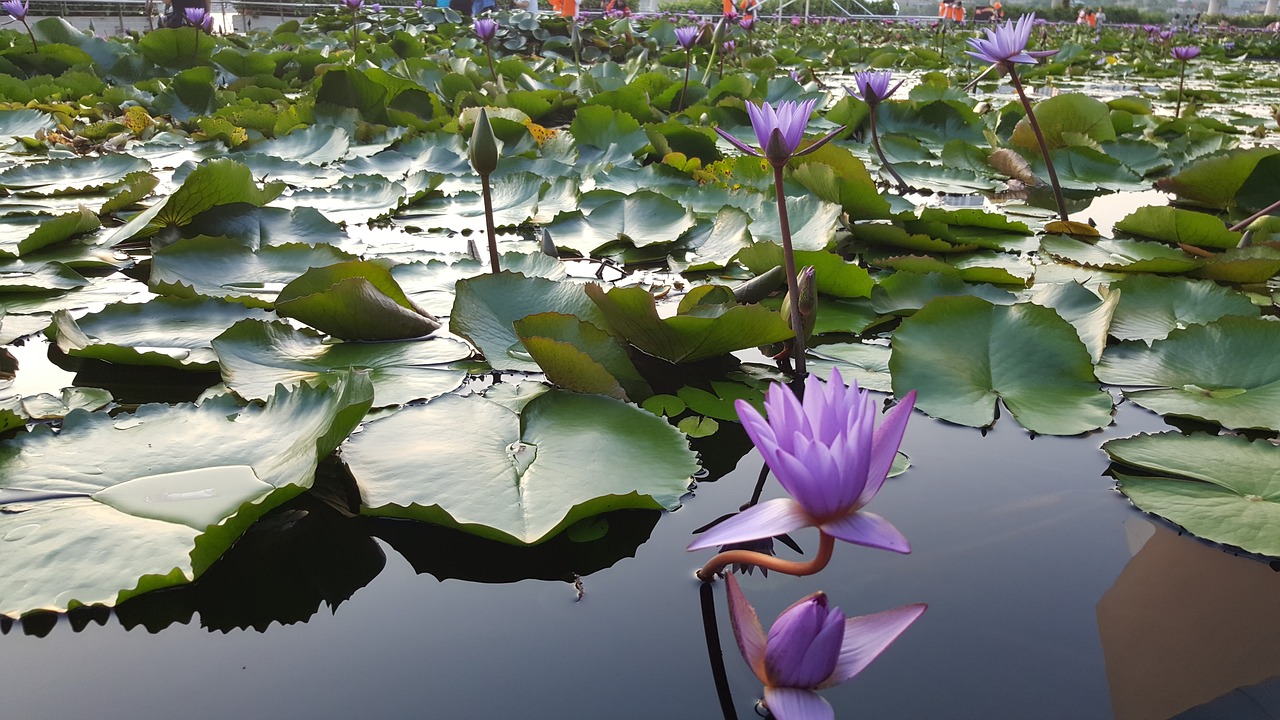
column 493, row 73
column 1182, row 76
column 34, row 46
column 789, row 266
column 1044, row 147
column 488, row 223
column 688, row 60
column 1265, row 211
column 826, row 545
column 875, row 141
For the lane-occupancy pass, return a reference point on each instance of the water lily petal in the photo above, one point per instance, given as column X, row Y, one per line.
column 866, row 636
column 746, row 628
column 738, row 143
column 797, row 704
column 768, row 519
column 884, row 447
column 868, row 529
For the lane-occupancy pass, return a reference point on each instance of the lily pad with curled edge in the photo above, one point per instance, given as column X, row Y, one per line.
column 1223, row 372
column 1179, row 226
column 1222, row 488
column 867, row 364
column 1256, row 264
column 1121, row 255
column 1151, row 306
column 111, row 507
column 963, row 355
column 220, row 268
column 906, row 292
column 519, row 477
column 354, row 300
column 171, row 332
column 24, row 122
column 23, row 235
column 642, row 218
column 1090, row 313
column 255, row 356
column 486, row 306
column 429, row 282
column 709, row 323
column 579, row 356
column 353, row 201
column 70, row 176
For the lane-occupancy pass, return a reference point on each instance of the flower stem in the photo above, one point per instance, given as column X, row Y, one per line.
column 1182, row 76
column 488, row 223
column 492, row 73
column 789, row 266
column 826, row 544
column 34, row 46
column 875, row 141
column 714, row 653
column 688, row 60
column 1265, row 211
column 1044, row 147
column 355, row 34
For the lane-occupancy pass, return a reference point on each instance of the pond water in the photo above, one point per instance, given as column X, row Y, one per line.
column 1049, row 596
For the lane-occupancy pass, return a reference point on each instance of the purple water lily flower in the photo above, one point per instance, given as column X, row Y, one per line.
column 1007, row 43
column 779, row 132
column 872, row 86
column 795, row 22
column 197, row 17
column 15, row 8
column 828, row 454
column 811, row 647
column 352, row 4
column 687, row 36
column 1185, row 52
column 728, row 46
column 485, row 28
column 747, row 23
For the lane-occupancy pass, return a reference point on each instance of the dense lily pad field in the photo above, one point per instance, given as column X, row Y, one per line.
column 264, row 259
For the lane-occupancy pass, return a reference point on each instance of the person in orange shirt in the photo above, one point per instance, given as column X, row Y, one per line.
column 944, row 10
column 568, row 8
column 957, row 11
column 999, row 10
column 1092, row 19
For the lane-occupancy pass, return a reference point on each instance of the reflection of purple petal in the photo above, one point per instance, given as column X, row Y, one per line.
column 747, row 629
column 804, row 644
column 867, row 529
column 867, row 636
column 770, row 518
column 797, row 704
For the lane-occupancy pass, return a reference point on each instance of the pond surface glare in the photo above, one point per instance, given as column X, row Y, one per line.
column 1049, row 597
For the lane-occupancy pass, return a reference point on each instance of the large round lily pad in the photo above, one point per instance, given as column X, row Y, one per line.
column 962, row 354
column 1224, row 372
column 110, row 507
column 1223, row 488
column 474, row 464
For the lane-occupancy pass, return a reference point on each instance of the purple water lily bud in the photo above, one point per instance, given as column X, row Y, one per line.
column 872, row 86
column 747, row 23
column 198, row 18
column 1185, row 52
column 485, row 28
column 1007, row 43
column 829, row 456
column 1166, row 35
column 795, row 22
column 810, row 647
column 687, row 36
column 417, row 4
column 728, row 46
column 16, row 9
column 352, row 4
column 376, row 7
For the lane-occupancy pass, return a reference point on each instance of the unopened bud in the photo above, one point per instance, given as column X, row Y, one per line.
column 484, row 146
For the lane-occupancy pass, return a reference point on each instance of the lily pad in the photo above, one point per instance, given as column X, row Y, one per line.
column 1152, row 306
column 71, row 175
column 1222, row 488
column 255, row 356
column 1120, row 255
column 579, row 356
column 116, row 506
column 1218, row 372
column 866, row 364
column 170, row 332
column 221, row 268
column 964, row 354
column 481, row 467
column 1180, row 226
column 354, row 300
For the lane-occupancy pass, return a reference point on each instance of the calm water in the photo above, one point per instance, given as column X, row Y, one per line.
column 1049, row 597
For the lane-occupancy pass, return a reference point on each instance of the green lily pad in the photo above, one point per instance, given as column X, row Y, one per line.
column 832, row 275
column 24, row 122
column 354, row 300
column 1120, row 255
column 71, row 176
column 861, row 362
column 1222, row 488
column 703, row 331
column 171, row 332
column 318, row 144
column 123, row 505
column 903, row 293
column 1216, row 372
column 1152, row 307
column 354, row 201
column 519, row 477
column 221, row 268
column 1090, row 314
column 255, row 356
column 964, row 354
column 812, row 220
column 1063, row 116
column 642, row 218
column 515, row 199
column 1177, row 225
column 24, row 235
column 485, row 307
column 1256, row 264
column 216, row 182
column 1213, row 181
column 579, row 356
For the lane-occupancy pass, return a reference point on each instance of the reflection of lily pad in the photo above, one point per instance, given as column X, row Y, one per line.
column 1223, row 488
column 132, row 503
column 473, row 464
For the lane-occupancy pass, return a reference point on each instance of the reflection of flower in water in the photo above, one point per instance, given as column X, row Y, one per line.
column 810, row 647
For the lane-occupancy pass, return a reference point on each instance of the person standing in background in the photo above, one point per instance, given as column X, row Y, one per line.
column 944, row 10
column 957, row 12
